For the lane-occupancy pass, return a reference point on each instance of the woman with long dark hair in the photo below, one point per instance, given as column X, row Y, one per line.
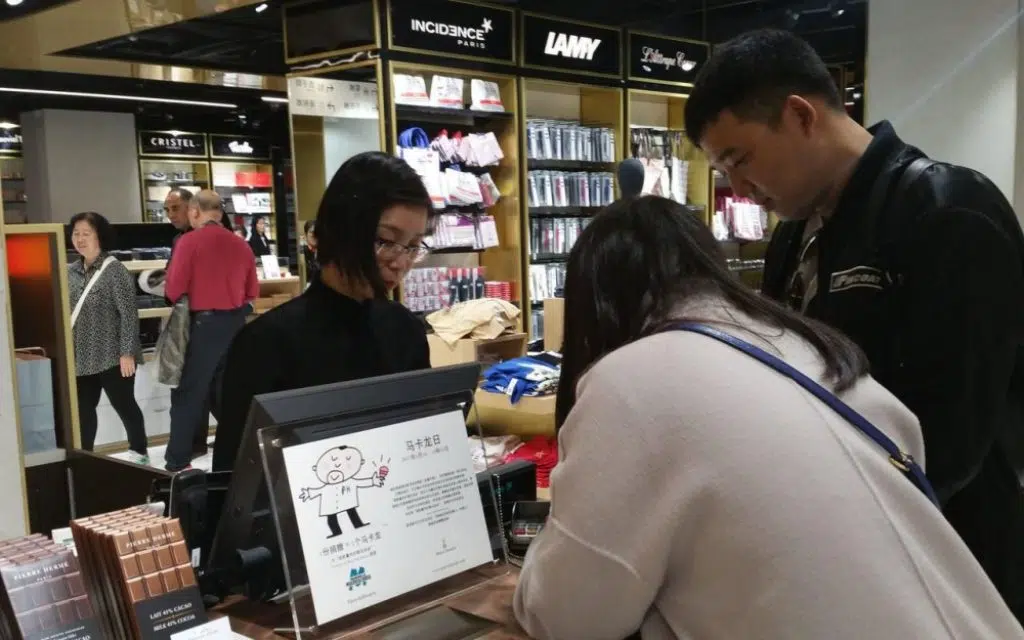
column 370, row 228
column 702, row 493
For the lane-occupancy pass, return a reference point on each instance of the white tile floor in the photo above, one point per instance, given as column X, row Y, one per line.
column 156, row 457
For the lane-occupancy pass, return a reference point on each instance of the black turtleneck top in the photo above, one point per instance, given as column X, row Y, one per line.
column 321, row 337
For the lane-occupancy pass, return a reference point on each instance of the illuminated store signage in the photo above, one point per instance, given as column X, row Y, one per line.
column 665, row 60
column 449, row 27
column 10, row 142
column 172, row 143
column 575, row 47
column 238, row 147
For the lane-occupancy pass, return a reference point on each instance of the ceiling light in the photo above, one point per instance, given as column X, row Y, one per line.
column 274, row 99
column 259, row 9
column 7, row 125
column 837, row 8
column 109, row 96
column 13, row 3
column 856, row 95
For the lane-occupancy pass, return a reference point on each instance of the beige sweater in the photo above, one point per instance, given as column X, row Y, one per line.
column 701, row 495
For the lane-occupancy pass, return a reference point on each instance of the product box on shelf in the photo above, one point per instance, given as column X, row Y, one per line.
column 531, row 416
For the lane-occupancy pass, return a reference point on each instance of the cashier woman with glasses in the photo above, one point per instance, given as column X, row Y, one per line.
column 370, row 230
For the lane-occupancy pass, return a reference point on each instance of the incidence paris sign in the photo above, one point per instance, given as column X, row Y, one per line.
column 386, row 510
column 665, row 60
column 574, row 47
column 172, row 143
column 439, row 27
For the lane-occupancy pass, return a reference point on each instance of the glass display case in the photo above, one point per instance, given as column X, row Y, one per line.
column 160, row 176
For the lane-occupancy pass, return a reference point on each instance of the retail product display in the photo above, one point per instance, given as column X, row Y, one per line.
column 661, row 152
column 559, row 189
column 139, row 573
column 446, row 92
column 570, row 141
column 159, row 177
column 738, row 219
column 521, row 377
column 440, row 165
column 12, row 184
column 546, row 281
column 473, row 231
column 433, row 288
column 554, row 237
column 43, row 592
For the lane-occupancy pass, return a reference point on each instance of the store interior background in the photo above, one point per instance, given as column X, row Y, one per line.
column 80, row 80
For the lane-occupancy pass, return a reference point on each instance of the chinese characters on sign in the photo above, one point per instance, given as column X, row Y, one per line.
column 332, row 98
column 386, row 510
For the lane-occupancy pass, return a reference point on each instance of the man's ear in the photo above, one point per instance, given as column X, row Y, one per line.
column 801, row 112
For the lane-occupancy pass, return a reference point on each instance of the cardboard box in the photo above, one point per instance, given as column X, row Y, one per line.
column 554, row 323
column 486, row 352
column 527, row 418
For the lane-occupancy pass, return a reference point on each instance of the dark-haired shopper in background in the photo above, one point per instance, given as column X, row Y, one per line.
column 701, row 494
column 258, row 237
column 309, row 251
column 370, row 228
column 922, row 266
column 106, row 333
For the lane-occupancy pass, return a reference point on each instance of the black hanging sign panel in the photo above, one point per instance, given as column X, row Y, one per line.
column 665, row 60
column 10, row 142
column 172, row 143
column 572, row 47
column 224, row 147
column 453, row 28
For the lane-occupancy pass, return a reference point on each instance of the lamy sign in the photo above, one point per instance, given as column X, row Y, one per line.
column 549, row 43
column 665, row 60
column 452, row 27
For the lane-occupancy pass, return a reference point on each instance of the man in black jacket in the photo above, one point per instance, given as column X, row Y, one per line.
column 921, row 263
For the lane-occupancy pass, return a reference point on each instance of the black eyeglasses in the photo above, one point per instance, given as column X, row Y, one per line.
column 391, row 249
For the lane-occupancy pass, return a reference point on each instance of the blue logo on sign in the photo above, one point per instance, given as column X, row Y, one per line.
column 357, row 577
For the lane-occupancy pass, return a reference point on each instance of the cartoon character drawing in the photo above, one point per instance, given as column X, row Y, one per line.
column 339, row 493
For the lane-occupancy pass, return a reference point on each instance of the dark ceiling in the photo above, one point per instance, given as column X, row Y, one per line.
column 250, row 41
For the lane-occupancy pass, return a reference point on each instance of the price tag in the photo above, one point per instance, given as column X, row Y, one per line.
column 219, row 629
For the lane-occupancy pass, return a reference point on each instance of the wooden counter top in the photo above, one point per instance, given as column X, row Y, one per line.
column 491, row 601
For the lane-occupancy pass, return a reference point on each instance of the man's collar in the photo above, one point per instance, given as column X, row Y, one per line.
column 884, row 147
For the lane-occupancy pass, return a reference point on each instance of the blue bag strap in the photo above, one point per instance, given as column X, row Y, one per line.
column 899, row 458
column 413, row 138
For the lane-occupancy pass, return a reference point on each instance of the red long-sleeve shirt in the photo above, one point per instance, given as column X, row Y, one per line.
column 215, row 268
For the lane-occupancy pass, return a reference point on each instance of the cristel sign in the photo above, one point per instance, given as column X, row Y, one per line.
column 238, row 148
column 166, row 143
column 439, row 27
column 10, row 142
column 665, row 60
column 573, row 47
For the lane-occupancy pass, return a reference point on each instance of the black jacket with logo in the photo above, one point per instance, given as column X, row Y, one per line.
column 930, row 284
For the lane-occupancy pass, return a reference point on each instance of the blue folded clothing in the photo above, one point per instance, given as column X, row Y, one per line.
column 520, row 377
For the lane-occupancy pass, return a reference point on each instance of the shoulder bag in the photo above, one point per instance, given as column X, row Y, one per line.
column 899, row 458
column 88, row 287
column 172, row 344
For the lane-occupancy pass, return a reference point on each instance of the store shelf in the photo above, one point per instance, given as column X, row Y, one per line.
column 564, row 211
column 454, row 250
column 405, row 112
column 159, row 312
column 284, row 280
column 570, row 165
column 552, row 258
column 144, row 265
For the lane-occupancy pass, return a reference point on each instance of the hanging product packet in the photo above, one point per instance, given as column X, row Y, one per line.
column 427, row 163
column 446, row 92
column 485, row 96
column 410, row 90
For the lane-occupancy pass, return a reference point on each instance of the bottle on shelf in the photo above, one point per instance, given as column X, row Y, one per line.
column 465, row 286
column 478, row 278
column 453, row 286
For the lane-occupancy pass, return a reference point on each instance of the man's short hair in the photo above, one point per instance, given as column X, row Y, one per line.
column 185, row 195
column 752, row 75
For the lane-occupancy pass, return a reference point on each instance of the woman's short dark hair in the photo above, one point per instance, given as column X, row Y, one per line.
column 309, row 226
column 632, row 266
column 104, row 230
column 255, row 221
column 350, row 210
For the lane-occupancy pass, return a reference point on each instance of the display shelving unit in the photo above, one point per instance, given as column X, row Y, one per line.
column 12, row 184
column 246, row 186
column 162, row 170
column 501, row 263
column 560, row 101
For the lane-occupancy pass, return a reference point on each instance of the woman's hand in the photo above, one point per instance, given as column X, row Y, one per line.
column 127, row 366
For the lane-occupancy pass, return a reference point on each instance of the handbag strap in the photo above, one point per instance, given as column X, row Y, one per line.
column 899, row 458
column 88, row 288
